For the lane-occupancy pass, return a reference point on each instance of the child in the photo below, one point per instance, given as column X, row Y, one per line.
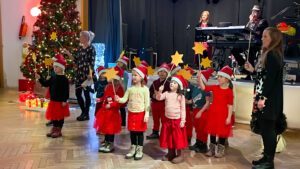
column 201, row 102
column 188, row 107
column 108, row 118
column 173, row 132
column 220, row 111
column 122, row 63
column 58, row 107
column 138, row 111
column 157, row 106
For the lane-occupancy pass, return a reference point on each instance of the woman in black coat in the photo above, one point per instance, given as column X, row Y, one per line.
column 268, row 93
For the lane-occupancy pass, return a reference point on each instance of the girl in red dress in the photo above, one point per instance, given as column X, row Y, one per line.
column 173, row 132
column 58, row 107
column 108, row 119
column 220, row 112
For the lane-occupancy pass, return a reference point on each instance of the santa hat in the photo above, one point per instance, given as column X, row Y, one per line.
column 144, row 63
column 123, row 59
column 60, row 62
column 142, row 71
column 58, row 56
column 226, row 72
column 164, row 67
column 205, row 74
column 256, row 8
column 173, row 68
column 190, row 69
column 181, row 81
column 120, row 73
column 100, row 70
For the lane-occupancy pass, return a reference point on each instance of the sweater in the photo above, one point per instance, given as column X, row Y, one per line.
column 58, row 87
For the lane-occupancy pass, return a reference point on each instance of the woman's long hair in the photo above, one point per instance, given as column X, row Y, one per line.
column 203, row 14
column 276, row 45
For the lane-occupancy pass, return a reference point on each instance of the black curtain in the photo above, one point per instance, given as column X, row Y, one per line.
column 166, row 21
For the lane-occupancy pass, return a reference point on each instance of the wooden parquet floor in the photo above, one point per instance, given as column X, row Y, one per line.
column 23, row 145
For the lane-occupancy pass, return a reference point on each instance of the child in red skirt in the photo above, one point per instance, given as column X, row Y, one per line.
column 138, row 111
column 108, row 118
column 158, row 106
column 201, row 102
column 220, row 112
column 58, row 107
column 173, row 131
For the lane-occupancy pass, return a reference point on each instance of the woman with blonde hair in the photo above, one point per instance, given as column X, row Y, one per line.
column 268, row 94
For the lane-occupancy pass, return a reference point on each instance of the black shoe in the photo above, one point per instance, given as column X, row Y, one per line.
column 202, row 148
column 49, row 123
column 265, row 162
column 154, row 135
column 83, row 118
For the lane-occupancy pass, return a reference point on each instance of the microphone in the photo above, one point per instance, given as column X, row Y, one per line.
column 188, row 27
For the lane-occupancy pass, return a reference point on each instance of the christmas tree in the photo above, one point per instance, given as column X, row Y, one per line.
column 56, row 28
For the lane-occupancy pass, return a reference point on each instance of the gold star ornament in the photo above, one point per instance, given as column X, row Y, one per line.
column 53, row 35
column 34, row 57
column 186, row 74
column 110, row 74
column 199, row 48
column 177, row 58
column 150, row 70
column 137, row 61
column 206, row 62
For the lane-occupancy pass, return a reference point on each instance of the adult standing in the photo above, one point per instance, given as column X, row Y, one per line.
column 268, row 93
column 84, row 58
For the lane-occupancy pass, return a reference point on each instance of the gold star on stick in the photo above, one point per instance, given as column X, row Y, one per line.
column 206, row 62
column 48, row 61
column 177, row 58
column 199, row 48
column 185, row 74
column 53, row 35
column 186, row 66
column 110, row 74
column 137, row 61
column 122, row 54
column 150, row 70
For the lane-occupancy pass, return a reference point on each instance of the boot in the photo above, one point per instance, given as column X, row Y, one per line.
column 170, row 155
column 57, row 133
column 131, row 152
column 154, row 135
column 266, row 162
column 49, row 123
column 53, row 129
column 84, row 116
column 102, row 146
column 179, row 158
column 202, row 148
column 196, row 146
column 139, row 153
column 109, row 148
column 220, row 151
column 211, row 151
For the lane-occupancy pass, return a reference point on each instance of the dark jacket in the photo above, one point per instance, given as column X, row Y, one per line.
column 269, row 83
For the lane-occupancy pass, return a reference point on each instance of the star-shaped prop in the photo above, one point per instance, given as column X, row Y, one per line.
column 186, row 66
column 206, row 62
column 185, row 74
column 177, row 58
column 122, row 54
column 199, row 48
column 137, row 61
column 53, row 35
column 150, row 70
column 48, row 61
column 110, row 74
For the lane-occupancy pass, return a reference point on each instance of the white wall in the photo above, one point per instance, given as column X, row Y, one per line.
column 11, row 15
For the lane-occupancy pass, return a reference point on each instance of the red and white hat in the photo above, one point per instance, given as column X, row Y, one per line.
column 226, row 72
column 164, row 67
column 205, row 74
column 60, row 62
column 120, row 73
column 181, row 81
column 144, row 63
column 58, row 56
column 190, row 69
column 100, row 70
column 173, row 68
column 123, row 59
column 142, row 71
